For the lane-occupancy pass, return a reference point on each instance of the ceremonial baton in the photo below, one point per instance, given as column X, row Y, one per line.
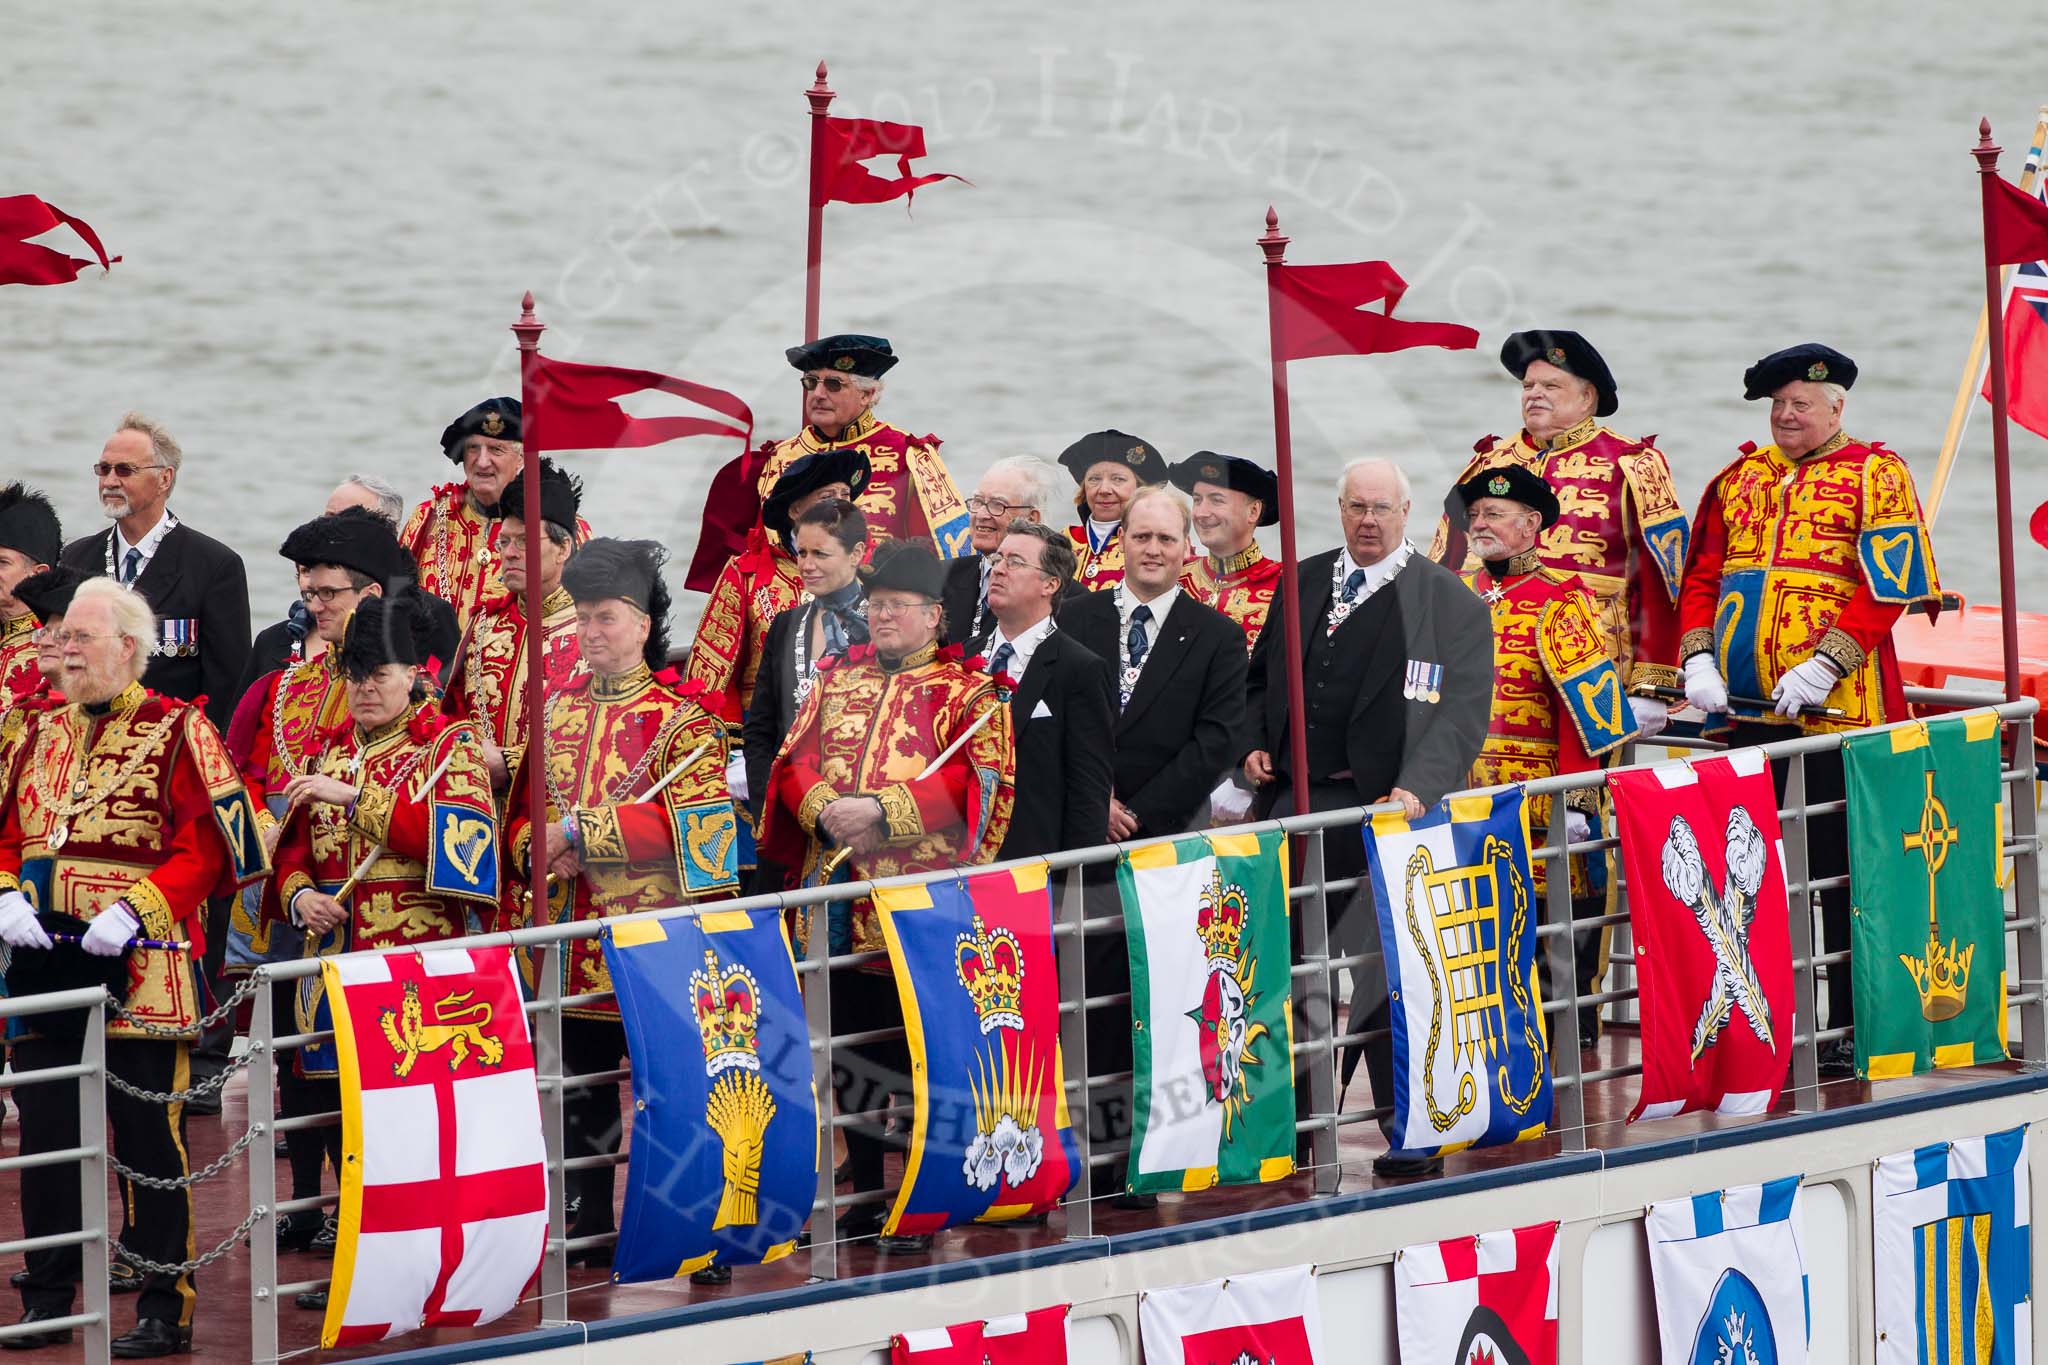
column 840, row 855
column 671, row 775
column 362, row 869
column 161, row 945
column 1753, row 703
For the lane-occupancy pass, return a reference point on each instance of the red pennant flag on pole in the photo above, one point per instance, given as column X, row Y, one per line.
column 1318, row 311
column 23, row 216
column 2015, row 224
column 850, row 141
column 574, row 407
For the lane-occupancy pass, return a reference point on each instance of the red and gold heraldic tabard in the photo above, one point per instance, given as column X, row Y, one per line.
column 492, row 690
column 1820, row 557
column 140, row 804
column 456, row 547
column 1096, row 569
column 301, row 706
column 1241, row 587
column 1621, row 529
column 870, row 730
column 752, row 588
column 611, row 741
column 1558, row 702
column 909, row 496
column 18, row 674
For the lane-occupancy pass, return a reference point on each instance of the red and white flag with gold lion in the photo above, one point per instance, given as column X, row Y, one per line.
column 444, row 1191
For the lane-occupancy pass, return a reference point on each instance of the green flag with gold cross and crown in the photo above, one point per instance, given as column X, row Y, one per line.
column 1928, row 947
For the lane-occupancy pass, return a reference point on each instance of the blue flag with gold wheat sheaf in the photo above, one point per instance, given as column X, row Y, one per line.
column 1953, row 1253
column 724, row 1160
column 1458, row 913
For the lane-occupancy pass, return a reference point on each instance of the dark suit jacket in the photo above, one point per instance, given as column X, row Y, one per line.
column 1179, row 733
column 772, row 710
column 1063, row 758
column 1391, row 741
column 963, row 590
column 272, row 651
column 200, row 594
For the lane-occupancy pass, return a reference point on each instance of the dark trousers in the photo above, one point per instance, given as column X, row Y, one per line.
column 305, row 1148
column 1827, row 854
column 148, row 1137
column 1106, row 970
column 210, row 1053
column 590, row 1118
column 865, row 1075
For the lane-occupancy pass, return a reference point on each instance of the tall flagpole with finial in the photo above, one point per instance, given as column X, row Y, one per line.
column 1986, row 151
column 1275, row 247
column 528, row 330
column 820, row 96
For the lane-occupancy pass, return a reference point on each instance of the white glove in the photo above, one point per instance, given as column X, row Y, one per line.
column 19, row 927
column 110, row 930
column 1704, row 685
column 736, row 775
column 1229, row 803
column 1805, row 686
column 1577, row 827
column 1651, row 715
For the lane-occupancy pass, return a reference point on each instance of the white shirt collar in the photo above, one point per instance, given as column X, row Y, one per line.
column 1127, row 602
column 1376, row 574
column 151, row 538
column 1026, row 645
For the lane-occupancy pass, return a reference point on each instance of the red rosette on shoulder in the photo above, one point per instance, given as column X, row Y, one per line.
column 951, row 654
column 426, row 724
column 1485, row 443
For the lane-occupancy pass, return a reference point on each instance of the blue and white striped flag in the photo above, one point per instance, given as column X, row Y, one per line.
column 1952, row 1253
column 1731, row 1284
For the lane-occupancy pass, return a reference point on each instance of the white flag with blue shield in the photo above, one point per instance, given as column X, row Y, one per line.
column 1730, row 1279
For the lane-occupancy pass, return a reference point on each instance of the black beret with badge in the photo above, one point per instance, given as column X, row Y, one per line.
column 1569, row 352
column 561, row 496
column 497, row 418
column 1516, row 483
column 353, row 538
column 28, row 524
column 1809, row 360
column 904, row 566
column 1135, row 453
column 847, row 353
column 1234, row 472
column 809, row 473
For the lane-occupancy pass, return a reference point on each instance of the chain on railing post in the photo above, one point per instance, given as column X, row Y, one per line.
column 92, row 1186
column 1070, row 955
column 818, row 1024
column 1315, row 1013
column 548, row 961
column 2026, row 891
column 1569, row 1119
column 262, row 1085
column 1805, row 996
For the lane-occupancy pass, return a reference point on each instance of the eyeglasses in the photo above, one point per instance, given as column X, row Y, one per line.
column 994, row 507
column 121, row 469
column 323, row 596
column 51, row 635
column 1017, row 562
column 833, row 383
column 887, row 610
column 1378, row 511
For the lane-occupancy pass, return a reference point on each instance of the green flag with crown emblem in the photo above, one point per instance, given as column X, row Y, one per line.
column 1928, row 944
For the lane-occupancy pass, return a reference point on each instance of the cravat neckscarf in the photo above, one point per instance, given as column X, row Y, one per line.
column 845, row 621
column 1139, row 644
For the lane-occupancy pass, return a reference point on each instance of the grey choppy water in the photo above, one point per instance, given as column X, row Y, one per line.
column 329, row 217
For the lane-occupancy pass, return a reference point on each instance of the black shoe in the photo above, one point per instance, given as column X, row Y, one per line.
column 312, row 1300
column 1036, row 1222
column 298, row 1231
column 330, row 1230
column 1406, row 1165
column 712, row 1274
column 56, row 1336
column 123, row 1278
column 1837, row 1061
column 1128, row 1200
column 207, row 1104
column 864, row 1221
column 842, row 1174
column 19, row 1279
column 905, row 1244
column 153, row 1337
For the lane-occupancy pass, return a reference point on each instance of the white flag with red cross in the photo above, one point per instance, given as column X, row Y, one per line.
column 1271, row 1317
column 1486, row 1300
column 444, row 1192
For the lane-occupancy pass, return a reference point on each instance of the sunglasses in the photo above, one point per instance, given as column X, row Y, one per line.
column 121, row 469
column 833, row 383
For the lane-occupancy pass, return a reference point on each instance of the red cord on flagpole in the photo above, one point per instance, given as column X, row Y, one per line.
column 1986, row 151
column 820, row 96
column 1275, row 247
column 528, row 330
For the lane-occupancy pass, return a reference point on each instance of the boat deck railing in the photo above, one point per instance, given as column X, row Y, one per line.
column 1317, row 1047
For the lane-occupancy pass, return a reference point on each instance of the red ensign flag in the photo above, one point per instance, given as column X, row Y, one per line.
column 1317, row 310
column 23, row 216
column 850, row 141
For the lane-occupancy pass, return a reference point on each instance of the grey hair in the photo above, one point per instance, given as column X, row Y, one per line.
column 133, row 620
column 1837, row 395
column 870, row 386
column 1043, row 482
column 163, row 447
column 1376, row 462
column 390, row 502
